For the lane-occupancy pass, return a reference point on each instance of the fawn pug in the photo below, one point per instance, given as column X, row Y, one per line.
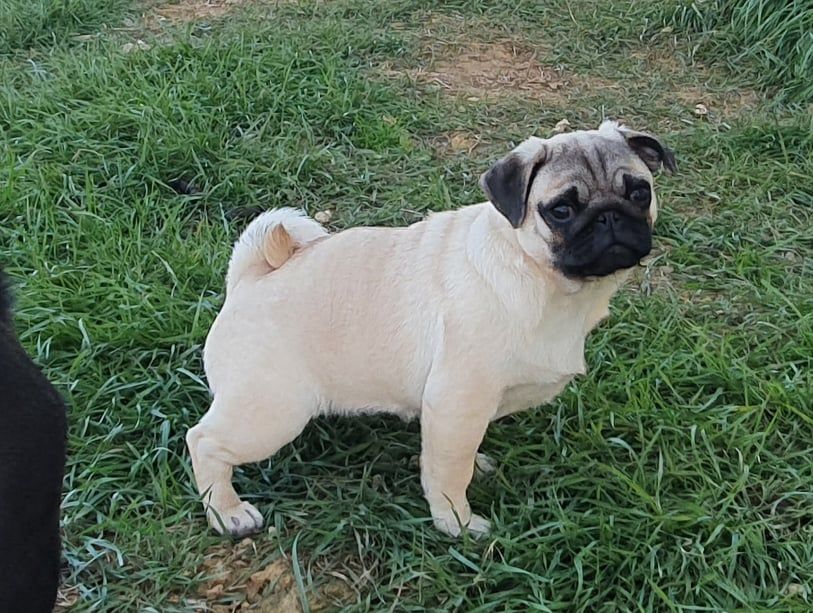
column 456, row 320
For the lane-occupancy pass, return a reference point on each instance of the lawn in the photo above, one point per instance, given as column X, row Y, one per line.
column 677, row 475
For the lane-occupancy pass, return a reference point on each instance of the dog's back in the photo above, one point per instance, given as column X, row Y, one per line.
column 32, row 461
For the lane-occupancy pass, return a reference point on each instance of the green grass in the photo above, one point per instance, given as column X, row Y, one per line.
column 26, row 24
column 772, row 40
column 676, row 475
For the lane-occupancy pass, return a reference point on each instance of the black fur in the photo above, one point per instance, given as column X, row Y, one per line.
column 599, row 239
column 507, row 184
column 183, row 187
column 653, row 152
column 32, row 463
column 5, row 301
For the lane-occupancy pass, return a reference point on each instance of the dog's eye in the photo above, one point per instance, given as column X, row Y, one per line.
column 563, row 212
column 640, row 195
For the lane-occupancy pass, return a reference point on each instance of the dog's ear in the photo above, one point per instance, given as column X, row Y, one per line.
column 650, row 149
column 507, row 183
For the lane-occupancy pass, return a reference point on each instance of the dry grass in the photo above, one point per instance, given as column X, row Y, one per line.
column 232, row 582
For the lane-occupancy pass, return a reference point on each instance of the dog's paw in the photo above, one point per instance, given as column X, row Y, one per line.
column 477, row 526
column 237, row 521
column 484, row 465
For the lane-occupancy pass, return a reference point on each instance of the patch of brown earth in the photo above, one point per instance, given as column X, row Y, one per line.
column 193, row 10
column 717, row 104
column 457, row 141
column 704, row 99
column 487, row 70
column 500, row 66
column 497, row 66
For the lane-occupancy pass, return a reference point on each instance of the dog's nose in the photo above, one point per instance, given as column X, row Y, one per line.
column 608, row 218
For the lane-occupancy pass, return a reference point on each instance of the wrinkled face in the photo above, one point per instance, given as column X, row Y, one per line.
column 581, row 202
column 595, row 207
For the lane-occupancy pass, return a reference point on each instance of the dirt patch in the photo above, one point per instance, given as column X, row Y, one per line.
column 718, row 104
column 192, row 10
column 488, row 70
column 502, row 69
column 475, row 60
column 495, row 67
column 158, row 13
column 693, row 85
column 457, row 141
column 236, row 580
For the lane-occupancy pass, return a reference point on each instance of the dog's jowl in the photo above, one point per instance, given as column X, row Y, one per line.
column 32, row 461
column 457, row 320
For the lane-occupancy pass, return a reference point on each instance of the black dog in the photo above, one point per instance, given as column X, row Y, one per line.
column 32, row 463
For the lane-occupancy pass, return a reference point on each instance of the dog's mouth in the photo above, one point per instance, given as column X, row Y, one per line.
column 616, row 256
column 622, row 253
column 610, row 240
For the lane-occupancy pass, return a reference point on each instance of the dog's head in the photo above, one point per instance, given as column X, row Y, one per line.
column 582, row 202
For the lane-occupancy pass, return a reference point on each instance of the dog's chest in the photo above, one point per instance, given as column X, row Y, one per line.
column 523, row 397
column 541, row 370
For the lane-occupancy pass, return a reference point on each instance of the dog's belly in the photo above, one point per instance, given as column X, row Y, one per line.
column 522, row 397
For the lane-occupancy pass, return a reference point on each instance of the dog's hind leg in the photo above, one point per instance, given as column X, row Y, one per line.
column 233, row 432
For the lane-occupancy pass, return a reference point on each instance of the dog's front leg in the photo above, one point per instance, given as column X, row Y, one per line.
column 454, row 419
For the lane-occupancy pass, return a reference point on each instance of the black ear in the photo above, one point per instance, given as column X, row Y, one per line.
column 508, row 182
column 654, row 153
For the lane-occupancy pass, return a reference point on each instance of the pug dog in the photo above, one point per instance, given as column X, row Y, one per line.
column 457, row 320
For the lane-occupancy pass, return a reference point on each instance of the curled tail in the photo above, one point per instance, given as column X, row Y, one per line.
column 268, row 242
